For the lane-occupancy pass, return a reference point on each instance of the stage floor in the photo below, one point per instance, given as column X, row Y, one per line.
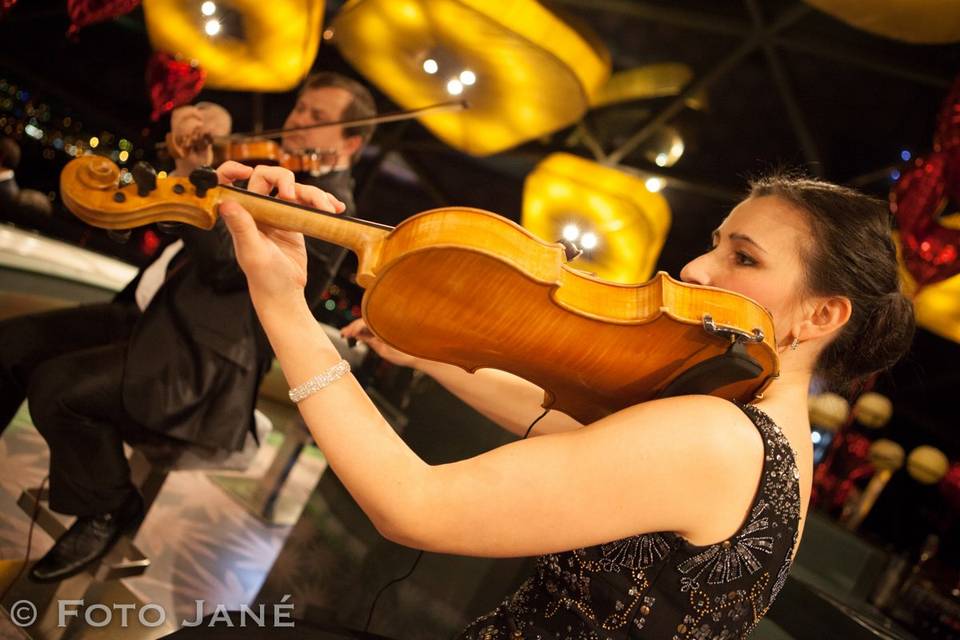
column 201, row 543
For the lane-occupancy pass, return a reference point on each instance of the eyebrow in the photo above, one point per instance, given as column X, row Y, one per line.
column 739, row 236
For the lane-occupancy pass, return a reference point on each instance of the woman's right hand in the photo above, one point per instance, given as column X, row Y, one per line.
column 359, row 331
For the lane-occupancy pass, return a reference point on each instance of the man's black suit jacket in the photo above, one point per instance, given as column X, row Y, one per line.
column 197, row 355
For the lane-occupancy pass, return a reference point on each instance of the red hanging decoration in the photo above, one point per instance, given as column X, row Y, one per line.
column 950, row 486
column 149, row 243
column 947, row 136
column 172, row 83
column 5, row 6
column 931, row 252
column 83, row 13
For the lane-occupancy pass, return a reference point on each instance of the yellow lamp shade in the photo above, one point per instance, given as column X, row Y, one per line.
column 628, row 221
column 647, row 81
column 273, row 51
column 917, row 21
column 523, row 71
column 828, row 411
column 936, row 306
column 873, row 410
column 927, row 464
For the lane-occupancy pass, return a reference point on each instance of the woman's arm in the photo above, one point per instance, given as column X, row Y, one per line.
column 689, row 465
column 506, row 399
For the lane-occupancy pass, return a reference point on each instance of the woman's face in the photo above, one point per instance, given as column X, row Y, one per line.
column 756, row 252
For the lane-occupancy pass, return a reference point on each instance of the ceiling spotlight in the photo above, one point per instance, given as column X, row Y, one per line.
column 571, row 232
column 430, row 66
column 468, row 77
column 208, row 8
column 589, row 241
column 454, row 87
column 665, row 147
column 212, row 27
column 655, row 184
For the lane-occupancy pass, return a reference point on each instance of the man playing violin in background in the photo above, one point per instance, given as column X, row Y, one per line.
column 175, row 361
column 329, row 97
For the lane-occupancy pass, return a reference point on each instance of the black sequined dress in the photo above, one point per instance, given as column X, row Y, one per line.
column 658, row 585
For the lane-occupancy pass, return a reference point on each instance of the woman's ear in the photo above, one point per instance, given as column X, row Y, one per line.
column 825, row 316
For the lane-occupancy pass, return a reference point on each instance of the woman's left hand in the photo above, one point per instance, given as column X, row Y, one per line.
column 274, row 260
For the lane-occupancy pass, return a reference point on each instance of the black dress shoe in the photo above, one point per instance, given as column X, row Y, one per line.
column 87, row 540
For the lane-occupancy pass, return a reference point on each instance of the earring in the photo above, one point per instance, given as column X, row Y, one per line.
column 795, row 344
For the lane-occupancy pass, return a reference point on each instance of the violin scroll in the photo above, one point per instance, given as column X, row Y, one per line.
column 91, row 189
column 98, row 173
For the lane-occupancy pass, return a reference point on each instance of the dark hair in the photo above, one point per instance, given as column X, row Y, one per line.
column 852, row 255
column 362, row 105
column 9, row 153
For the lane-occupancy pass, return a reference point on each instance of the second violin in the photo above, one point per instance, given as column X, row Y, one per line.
column 259, row 148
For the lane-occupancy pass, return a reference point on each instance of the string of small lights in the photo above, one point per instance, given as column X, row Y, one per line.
column 28, row 118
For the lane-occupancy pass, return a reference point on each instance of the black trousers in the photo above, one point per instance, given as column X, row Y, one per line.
column 69, row 365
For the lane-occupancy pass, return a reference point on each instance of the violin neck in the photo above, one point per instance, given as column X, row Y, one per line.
column 360, row 236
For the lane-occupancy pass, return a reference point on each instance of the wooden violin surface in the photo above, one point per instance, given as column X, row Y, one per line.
column 474, row 289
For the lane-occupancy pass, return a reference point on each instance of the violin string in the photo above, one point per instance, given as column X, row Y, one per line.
column 416, row 560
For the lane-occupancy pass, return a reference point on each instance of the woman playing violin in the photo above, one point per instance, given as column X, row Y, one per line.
column 673, row 518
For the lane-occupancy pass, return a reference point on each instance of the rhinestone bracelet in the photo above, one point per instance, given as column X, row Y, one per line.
column 316, row 383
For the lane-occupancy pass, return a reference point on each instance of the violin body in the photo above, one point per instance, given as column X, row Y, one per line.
column 471, row 288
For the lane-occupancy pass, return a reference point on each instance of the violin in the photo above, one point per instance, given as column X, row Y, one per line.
column 253, row 152
column 471, row 288
column 258, row 148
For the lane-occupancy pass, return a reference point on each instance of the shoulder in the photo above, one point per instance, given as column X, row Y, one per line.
column 706, row 451
column 717, row 427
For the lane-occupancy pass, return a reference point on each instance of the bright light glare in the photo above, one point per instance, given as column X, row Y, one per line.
column 208, row 8
column 430, row 66
column 655, row 184
column 212, row 27
column 589, row 241
column 454, row 87
column 468, row 77
column 571, row 232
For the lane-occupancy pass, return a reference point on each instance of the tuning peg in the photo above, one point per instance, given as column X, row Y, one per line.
column 570, row 250
column 146, row 178
column 204, row 179
column 120, row 236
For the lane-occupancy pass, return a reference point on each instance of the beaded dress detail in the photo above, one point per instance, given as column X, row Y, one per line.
column 660, row 586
